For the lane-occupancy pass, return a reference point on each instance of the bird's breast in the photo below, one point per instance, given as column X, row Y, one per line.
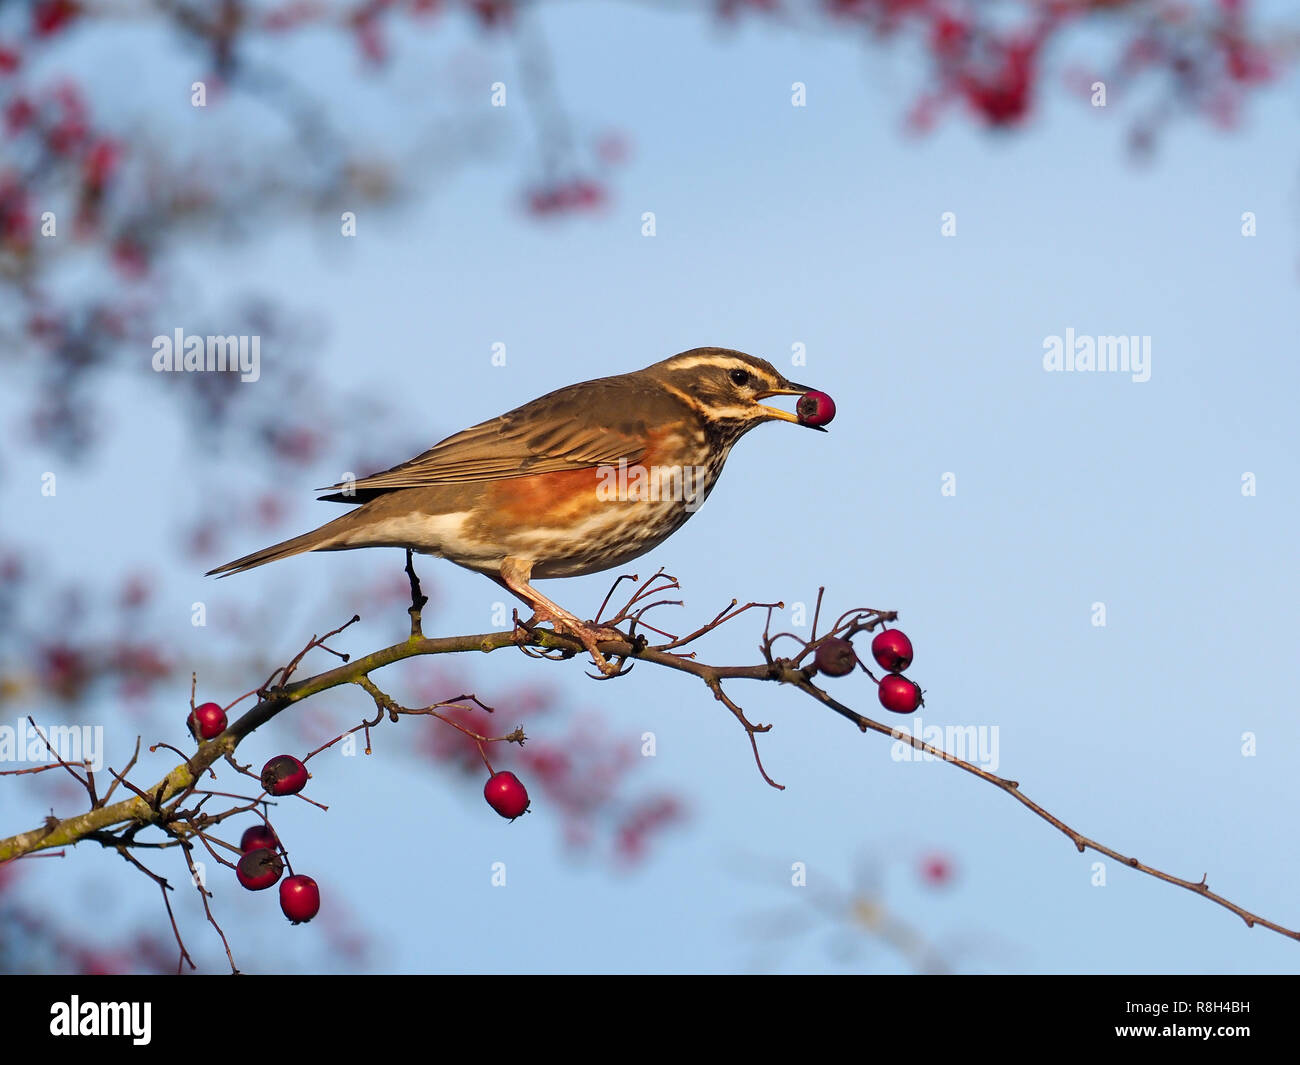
column 582, row 521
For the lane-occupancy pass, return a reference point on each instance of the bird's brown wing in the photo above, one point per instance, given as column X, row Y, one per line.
column 590, row 424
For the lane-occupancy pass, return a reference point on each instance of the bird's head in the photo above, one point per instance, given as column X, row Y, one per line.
column 725, row 386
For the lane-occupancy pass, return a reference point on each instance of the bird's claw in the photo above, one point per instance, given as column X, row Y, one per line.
column 588, row 633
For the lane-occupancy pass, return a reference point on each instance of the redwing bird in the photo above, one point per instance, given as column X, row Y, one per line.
column 583, row 479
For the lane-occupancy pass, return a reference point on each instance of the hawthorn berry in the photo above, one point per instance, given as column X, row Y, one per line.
column 299, row 898
column 899, row 694
column 256, row 837
column 936, row 869
column 506, row 795
column 893, row 650
column 815, row 408
column 835, row 657
column 259, row 869
column 284, row 775
column 207, row 721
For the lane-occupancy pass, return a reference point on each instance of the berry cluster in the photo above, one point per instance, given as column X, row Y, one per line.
column 892, row 649
column 260, row 864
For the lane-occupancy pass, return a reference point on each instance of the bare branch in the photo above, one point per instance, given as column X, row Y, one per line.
column 159, row 805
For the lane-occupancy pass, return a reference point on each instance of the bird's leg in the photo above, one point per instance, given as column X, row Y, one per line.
column 514, row 575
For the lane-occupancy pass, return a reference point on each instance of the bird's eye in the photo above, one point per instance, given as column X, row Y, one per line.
column 740, row 377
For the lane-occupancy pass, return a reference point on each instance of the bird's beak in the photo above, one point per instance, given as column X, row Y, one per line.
column 790, row 389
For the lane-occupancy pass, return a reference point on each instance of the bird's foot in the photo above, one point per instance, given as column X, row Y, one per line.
column 589, row 634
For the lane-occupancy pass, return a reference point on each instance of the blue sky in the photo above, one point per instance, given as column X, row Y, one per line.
column 821, row 226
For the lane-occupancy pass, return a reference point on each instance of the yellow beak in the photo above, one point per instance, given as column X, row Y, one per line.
column 791, row 389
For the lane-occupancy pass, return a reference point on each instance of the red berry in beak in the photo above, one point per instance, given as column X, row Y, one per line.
column 815, row 409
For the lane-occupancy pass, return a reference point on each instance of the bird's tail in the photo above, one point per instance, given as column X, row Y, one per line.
column 332, row 536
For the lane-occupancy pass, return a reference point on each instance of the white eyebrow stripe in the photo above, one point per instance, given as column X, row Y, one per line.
column 759, row 373
column 712, row 360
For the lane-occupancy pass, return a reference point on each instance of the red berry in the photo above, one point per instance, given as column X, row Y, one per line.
column 815, row 408
column 258, row 870
column 835, row 657
column 300, row 898
column 284, row 775
column 506, row 795
column 543, row 201
column 19, row 113
column 207, row 721
column 936, row 869
column 949, row 35
column 584, row 193
column 893, row 650
column 100, row 163
column 493, row 12
column 50, row 16
column 613, row 148
column 256, row 837
column 899, row 694
column 130, row 256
